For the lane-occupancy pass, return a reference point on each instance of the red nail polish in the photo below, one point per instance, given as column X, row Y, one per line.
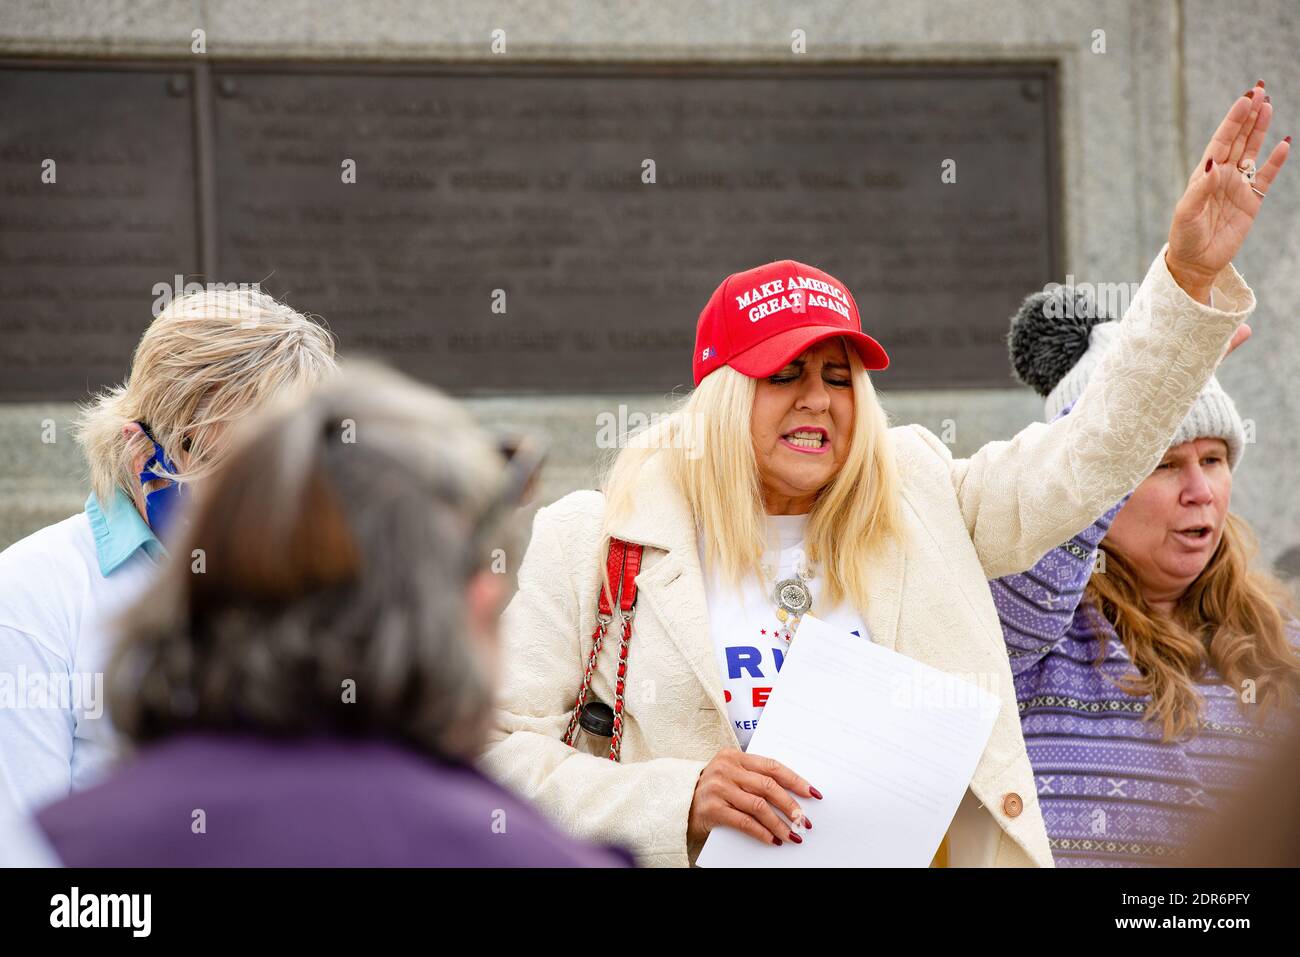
column 1249, row 94
column 1259, row 82
column 1268, row 99
column 1287, row 140
column 776, row 840
column 1209, row 163
column 807, row 823
column 818, row 794
column 796, row 838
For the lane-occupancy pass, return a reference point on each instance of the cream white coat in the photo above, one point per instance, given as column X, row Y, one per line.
column 965, row 521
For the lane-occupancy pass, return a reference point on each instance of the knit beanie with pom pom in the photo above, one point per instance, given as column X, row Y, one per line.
column 1057, row 339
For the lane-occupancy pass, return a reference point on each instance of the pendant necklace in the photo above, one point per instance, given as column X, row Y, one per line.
column 792, row 596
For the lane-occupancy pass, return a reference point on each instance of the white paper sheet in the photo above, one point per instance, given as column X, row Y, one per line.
column 891, row 744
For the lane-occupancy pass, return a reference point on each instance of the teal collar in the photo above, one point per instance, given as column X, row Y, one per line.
column 119, row 532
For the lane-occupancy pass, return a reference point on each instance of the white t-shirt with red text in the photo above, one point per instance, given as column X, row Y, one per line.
column 748, row 639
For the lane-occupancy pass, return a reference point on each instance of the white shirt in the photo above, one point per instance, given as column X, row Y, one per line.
column 57, row 605
column 748, row 638
column 24, row 844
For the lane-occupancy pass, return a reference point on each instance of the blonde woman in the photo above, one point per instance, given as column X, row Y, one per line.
column 208, row 359
column 780, row 463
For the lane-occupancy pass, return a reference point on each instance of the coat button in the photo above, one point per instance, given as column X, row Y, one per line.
column 1012, row 805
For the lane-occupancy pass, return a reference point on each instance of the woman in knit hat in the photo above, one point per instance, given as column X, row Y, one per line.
column 1152, row 676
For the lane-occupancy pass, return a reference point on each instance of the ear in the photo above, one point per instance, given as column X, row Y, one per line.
column 129, row 431
column 484, row 596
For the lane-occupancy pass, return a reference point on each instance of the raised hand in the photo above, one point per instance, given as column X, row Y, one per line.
column 1218, row 209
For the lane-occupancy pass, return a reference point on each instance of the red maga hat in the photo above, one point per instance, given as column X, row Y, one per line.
column 757, row 321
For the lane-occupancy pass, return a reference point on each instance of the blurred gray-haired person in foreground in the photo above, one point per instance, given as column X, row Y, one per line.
column 321, row 685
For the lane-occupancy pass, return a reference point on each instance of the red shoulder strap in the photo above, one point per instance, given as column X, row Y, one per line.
column 621, row 566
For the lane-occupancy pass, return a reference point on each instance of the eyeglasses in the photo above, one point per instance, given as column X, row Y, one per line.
column 524, row 455
column 185, row 442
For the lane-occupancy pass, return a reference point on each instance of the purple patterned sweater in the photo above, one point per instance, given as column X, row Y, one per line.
column 1113, row 793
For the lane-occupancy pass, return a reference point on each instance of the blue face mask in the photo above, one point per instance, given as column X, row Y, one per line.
column 162, row 503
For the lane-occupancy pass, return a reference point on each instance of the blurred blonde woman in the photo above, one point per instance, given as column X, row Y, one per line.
column 207, row 360
column 780, row 468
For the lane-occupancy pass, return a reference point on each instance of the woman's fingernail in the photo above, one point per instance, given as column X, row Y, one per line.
column 1268, row 99
column 1208, row 163
column 1259, row 82
column 818, row 794
column 1249, row 94
column 807, row 822
column 776, row 840
column 1287, row 140
column 796, row 838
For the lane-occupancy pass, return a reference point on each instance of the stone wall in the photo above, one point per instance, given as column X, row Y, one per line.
column 1132, row 121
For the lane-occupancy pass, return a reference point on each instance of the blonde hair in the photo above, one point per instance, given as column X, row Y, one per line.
column 1230, row 618
column 709, row 450
column 208, row 360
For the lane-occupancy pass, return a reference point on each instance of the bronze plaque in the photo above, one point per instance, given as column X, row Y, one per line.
column 84, row 242
column 556, row 229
